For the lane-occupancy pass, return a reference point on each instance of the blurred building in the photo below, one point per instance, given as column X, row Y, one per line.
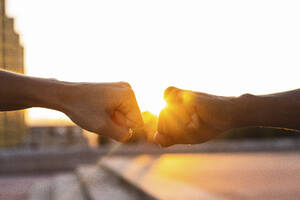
column 56, row 136
column 12, row 124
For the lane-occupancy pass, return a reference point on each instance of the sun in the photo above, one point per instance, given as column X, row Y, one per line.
column 157, row 107
column 153, row 102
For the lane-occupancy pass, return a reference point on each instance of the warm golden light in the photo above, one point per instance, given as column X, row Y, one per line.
column 187, row 97
column 158, row 107
column 199, row 49
column 150, row 125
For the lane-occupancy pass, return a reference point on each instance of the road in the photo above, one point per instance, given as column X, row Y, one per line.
column 215, row 176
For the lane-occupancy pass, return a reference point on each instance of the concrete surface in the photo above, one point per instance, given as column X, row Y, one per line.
column 214, row 176
column 260, row 175
column 17, row 187
column 100, row 184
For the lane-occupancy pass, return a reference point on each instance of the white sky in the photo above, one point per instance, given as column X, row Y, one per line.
column 221, row 47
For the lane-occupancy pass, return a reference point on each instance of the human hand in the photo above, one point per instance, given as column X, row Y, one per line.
column 109, row 109
column 193, row 117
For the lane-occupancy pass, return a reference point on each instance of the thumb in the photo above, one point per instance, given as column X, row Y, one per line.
column 116, row 131
column 120, row 119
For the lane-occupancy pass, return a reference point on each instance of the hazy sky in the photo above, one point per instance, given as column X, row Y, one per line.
column 215, row 46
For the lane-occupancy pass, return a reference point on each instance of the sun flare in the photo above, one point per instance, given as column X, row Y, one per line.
column 156, row 108
column 153, row 103
column 151, row 52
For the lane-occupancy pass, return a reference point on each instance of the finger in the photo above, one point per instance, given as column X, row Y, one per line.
column 132, row 111
column 173, row 121
column 177, row 96
column 122, row 84
column 162, row 140
column 120, row 119
column 177, row 126
column 125, row 84
column 172, row 95
column 115, row 131
column 194, row 122
column 162, row 123
column 179, row 114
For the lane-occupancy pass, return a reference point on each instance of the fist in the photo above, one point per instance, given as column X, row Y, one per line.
column 192, row 117
column 109, row 109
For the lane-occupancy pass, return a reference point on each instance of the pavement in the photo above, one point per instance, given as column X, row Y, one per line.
column 214, row 176
column 231, row 175
column 18, row 186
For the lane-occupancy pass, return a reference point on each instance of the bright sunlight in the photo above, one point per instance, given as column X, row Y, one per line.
column 159, row 43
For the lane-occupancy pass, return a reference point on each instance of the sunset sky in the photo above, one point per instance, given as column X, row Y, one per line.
column 215, row 46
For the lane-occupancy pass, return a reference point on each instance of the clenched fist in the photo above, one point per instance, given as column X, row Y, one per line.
column 193, row 117
column 109, row 109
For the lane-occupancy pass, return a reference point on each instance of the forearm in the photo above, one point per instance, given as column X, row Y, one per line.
column 274, row 110
column 20, row 92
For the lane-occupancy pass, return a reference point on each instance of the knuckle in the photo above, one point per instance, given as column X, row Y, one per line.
column 125, row 84
column 169, row 90
column 130, row 94
column 173, row 94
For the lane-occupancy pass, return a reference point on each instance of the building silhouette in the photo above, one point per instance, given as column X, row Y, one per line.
column 43, row 137
column 12, row 124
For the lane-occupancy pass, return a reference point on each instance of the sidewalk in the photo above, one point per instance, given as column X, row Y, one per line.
column 17, row 187
column 207, row 176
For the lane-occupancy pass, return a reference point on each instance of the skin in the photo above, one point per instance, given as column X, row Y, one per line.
column 109, row 109
column 195, row 117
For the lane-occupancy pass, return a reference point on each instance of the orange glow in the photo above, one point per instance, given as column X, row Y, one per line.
column 150, row 124
column 171, row 167
column 187, row 97
column 151, row 56
column 170, row 170
column 175, row 117
column 91, row 138
column 158, row 106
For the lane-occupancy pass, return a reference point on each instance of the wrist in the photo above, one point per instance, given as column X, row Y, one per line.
column 50, row 93
column 233, row 111
column 250, row 110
